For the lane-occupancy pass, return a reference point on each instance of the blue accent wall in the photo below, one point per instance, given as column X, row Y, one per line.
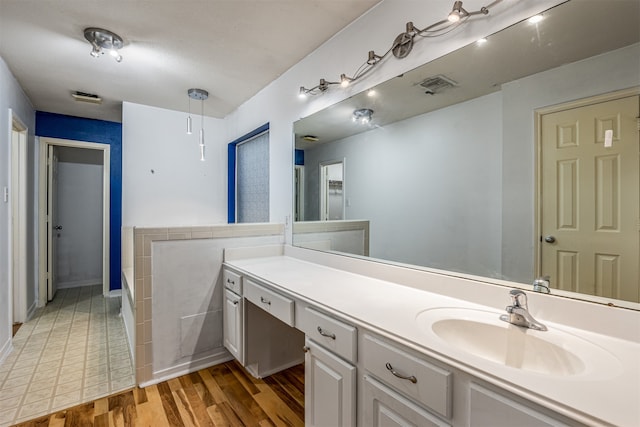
column 231, row 170
column 89, row 130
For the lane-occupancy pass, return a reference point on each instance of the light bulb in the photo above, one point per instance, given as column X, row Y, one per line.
column 202, row 152
column 189, row 125
column 302, row 93
column 453, row 17
column 344, row 80
column 535, row 19
column 481, row 41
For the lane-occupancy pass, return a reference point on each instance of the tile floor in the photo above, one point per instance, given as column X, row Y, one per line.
column 71, row 351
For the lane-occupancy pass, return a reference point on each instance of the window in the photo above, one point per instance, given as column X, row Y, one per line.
column 249, row 177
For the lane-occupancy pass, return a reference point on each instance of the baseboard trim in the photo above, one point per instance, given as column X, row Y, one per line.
column 79, row 283
column 115, row 293
column 32, row 310
column 189, row 367
column 6, row 350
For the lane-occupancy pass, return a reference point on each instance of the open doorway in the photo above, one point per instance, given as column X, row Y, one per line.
column 332, row 191
column 18, row 206
column 74, row 188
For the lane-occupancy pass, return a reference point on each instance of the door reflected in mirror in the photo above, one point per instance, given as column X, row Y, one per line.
column 465, row 185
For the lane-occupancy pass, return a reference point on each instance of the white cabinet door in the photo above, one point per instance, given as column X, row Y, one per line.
column 330, row 389
column 488, row 408
column 233, row 325
column 385, row 407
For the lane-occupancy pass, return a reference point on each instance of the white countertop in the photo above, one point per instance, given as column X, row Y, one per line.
column 391, row 309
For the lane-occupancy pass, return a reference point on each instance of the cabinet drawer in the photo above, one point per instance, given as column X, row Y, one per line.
column 385, row 407
column 424, row 382
column 335, row 335
column 271, row 302
column 232, row 281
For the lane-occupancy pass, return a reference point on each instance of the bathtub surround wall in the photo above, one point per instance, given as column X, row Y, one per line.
column 13, row 100
column 178, row 295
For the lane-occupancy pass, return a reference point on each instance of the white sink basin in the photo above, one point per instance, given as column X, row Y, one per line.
column 482, row 334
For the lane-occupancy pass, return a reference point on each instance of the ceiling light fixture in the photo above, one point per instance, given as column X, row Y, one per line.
column 102, row 40
column 402, row 45
column 200, row 95
column 362, row 116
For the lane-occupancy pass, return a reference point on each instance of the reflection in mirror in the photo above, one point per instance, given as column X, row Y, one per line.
column 460, row 166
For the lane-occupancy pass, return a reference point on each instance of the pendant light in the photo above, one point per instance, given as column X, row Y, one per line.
column 189, row 121
column 201, row 95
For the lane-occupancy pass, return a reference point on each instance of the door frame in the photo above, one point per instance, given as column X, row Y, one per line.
column 45, row 142
column 538, row 113
column 18, row 218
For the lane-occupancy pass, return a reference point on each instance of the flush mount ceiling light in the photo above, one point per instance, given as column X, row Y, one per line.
column 104, row 40
column 362, row 115
column 199, row 95
column 402, row 45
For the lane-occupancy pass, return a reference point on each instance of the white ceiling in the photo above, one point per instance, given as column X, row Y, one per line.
column 230, row 48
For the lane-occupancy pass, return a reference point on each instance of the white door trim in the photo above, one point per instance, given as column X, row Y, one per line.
column 45, row 142
column 538, row 113
column 18, row 218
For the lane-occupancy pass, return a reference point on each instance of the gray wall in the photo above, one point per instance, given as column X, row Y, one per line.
column 430, row 186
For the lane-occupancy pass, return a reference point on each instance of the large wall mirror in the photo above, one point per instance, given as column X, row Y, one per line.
column 512, row 158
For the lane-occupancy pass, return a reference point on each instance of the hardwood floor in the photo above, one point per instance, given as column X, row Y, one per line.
column 223, row 395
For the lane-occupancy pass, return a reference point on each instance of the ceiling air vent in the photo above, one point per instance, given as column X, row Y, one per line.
column 86, row 97
column 437, row 84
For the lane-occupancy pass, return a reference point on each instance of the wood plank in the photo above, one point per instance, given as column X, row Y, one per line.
column 222, row 395
column 169, row 405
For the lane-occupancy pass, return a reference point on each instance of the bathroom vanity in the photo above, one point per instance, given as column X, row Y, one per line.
column 425, row 348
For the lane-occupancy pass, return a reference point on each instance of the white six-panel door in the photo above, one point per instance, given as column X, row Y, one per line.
column 591, row 200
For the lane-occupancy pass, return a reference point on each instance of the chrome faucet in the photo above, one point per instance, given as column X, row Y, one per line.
column 542, row 285
column 519, row 312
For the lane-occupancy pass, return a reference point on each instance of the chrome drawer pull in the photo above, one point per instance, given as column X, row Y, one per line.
column 326, row 334
column 404, row 377
column 265, row 301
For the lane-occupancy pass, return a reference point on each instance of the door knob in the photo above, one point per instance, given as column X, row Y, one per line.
column 58, row 227
column 550, row 239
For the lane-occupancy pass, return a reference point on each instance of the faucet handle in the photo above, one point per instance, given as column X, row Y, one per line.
column 518, row 298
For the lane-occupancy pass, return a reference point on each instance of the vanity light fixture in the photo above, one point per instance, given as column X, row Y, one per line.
column 344, row 80
column 102, row 40
column 200, row 95
column 457, row 13
column 362, row 116
column 402, row 45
